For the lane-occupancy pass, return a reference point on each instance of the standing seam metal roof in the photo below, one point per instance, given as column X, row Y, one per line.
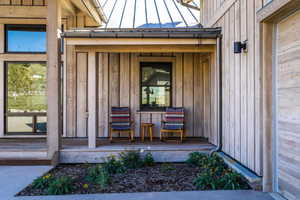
column 149, row 14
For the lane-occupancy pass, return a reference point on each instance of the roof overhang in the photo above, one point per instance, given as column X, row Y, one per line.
column 90, row 8
column 185, row 33
column 133, row 40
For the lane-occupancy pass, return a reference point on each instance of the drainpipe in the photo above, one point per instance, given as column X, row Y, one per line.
column 220, row 136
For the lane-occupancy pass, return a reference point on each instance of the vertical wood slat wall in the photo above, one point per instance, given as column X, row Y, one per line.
column 24, row 2
column 242, row 137
column 119, row 85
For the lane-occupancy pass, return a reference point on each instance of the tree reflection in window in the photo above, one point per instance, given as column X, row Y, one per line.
column 26, row 97
column 26, row 84
column 155, row 85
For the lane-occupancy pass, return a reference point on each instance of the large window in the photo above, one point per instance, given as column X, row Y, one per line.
column 156, row 85
column 25, row 38
column 26, row 100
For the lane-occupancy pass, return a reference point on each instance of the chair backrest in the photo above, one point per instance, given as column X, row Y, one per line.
column 120, row 117
column 174, row 118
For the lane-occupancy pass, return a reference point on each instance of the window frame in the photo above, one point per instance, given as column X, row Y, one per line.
column 155, row 109
column 5, row 102
column 6, row 27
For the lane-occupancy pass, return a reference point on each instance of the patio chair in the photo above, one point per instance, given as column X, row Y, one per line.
column 121, row 122
column 173, row 122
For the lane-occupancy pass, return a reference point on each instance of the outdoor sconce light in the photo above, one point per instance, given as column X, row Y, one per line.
column 239, row 46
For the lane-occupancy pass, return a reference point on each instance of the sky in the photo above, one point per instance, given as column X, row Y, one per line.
column 26, row 41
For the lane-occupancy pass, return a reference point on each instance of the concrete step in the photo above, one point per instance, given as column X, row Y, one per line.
column 18, row 157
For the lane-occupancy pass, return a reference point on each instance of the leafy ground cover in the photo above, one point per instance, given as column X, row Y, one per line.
column 135, row 172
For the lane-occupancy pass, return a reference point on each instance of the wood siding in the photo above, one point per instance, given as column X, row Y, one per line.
column 23, row 2
column 288, row 106
column 242, row 138
column 119, row 85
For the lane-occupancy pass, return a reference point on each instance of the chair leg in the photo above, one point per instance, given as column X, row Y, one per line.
column 181, row 136
column 110, row 135
column 132, row 135
column 150, row 133
column 161, row 136
column 143, row 134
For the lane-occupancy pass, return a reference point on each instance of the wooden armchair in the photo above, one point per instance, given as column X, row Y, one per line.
column 173, row 122
column 121, row 122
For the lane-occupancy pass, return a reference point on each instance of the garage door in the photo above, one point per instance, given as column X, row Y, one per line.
column 288, row 107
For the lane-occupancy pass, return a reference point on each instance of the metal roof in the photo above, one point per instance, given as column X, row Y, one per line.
column 144, row 33
column 149, row 14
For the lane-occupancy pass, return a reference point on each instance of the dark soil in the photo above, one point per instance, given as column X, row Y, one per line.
column 161, row 177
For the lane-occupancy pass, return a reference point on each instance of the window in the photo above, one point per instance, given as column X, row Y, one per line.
column 25, row 38
column 26, row 100
column 156, row 85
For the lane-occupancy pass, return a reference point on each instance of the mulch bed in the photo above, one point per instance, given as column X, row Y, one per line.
column 158, row 178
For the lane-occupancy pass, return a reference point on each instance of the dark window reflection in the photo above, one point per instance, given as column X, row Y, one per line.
column 155, row 85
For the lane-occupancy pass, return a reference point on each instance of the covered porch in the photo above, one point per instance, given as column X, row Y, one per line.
column 105, row 70
column 101, row 68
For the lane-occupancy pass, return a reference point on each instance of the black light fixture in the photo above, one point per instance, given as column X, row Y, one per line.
column 239, row 46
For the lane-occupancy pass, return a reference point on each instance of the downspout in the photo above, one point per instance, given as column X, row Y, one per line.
column 220, row 136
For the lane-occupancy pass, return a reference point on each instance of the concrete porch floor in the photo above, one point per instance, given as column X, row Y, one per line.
column 75, row 150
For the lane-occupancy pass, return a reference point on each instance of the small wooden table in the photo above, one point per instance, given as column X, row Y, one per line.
column 147, row 127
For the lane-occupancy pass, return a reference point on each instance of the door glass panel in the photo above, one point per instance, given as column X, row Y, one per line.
column 26, row 100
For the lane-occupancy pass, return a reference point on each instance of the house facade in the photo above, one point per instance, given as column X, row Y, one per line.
column 77, row 59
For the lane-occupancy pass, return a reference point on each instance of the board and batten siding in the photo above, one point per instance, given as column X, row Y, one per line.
column 242, row 138
column 23, row 2
column 118, row 84
column 288, row 106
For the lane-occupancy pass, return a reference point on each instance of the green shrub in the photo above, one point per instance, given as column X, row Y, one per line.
column 131, row 159
column 197, row 159
column 216, row 174
column 98, row 175
column 61, row 185
column 206, row 180
column 149, row 160
column 233, row 181
column 113, row 166
column 167, row 167
column 42, row 182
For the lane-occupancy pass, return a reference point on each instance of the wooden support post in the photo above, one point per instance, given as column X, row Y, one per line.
column 2, row 38
column 267, row 109
column 2, row 100
column 2, row 82
column 92, row 96
column 53, row 77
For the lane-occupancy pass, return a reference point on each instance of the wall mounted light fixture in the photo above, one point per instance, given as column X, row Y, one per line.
column 239, row 46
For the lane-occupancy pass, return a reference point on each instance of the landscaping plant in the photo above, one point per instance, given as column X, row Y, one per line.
column 42, row 182
column 215, row 174
column 131, row 159
column 196, row 158
column 149, row 160
column 61, row 185
column 113, row 166
column 98, row 175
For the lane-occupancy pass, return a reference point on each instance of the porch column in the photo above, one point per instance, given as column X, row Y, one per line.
column 92, row 95
column 2, row 98
column 53, row 76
